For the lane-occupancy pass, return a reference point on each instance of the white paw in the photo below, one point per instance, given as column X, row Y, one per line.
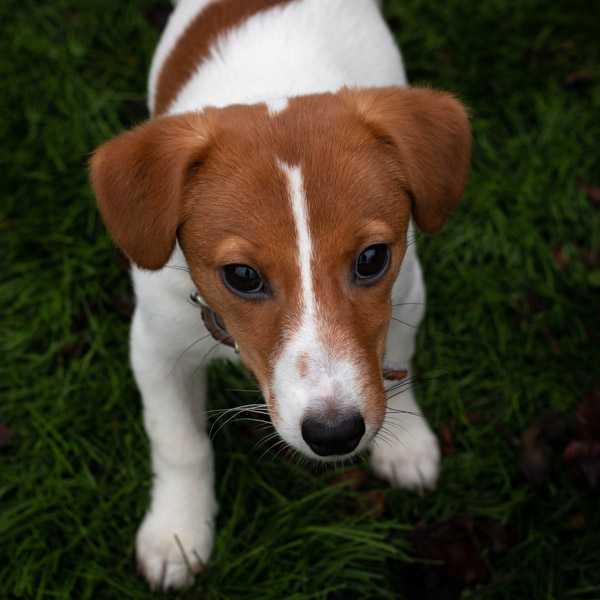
column 171, row 547
column 409, row 458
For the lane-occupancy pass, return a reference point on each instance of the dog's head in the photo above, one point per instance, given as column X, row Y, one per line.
column 293, row 224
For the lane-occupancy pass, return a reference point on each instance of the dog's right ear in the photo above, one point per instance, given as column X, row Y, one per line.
column 139, row 179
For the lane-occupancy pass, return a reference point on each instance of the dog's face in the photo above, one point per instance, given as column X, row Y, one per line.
column 294, row 224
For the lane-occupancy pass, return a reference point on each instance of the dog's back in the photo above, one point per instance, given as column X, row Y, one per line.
column 248, row 51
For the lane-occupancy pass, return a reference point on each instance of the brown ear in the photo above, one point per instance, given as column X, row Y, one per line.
column 139, row 180
column 429, row 133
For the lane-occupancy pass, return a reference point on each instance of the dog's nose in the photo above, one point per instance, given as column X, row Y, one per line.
column 327, row 437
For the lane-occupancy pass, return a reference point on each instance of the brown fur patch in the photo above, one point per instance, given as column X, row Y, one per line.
column 196, row 41
column 302, row 365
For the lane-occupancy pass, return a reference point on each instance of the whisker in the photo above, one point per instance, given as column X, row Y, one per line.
column 188, row 348
column 410, row 304
column 434, row 332
column 177, row 268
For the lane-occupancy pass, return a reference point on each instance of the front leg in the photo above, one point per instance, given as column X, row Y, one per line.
column 183, row 505
column 406, row 452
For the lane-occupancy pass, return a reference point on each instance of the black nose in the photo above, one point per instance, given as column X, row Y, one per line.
column 333, row 436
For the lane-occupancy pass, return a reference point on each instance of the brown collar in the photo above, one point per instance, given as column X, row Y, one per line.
column 212, row 321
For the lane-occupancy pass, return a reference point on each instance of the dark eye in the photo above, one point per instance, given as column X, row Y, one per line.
column 242, row 280
column 372, row 263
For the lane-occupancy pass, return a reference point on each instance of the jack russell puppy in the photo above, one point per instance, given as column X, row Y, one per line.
column 277, row 182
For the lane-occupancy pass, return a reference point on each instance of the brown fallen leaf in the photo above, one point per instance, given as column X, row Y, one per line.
column 453, row 542
column 587, row 418
column 349, row 480
column 76, row 350
column 560, row 258
column 545, row 433
column 554, row 344
column 497, row 537
column 577, row 522
column 583, row 458
column 6, row 223
column 543, row 54
column 447, row 440
column 371, row 503
column 590, row 258
column 578, row 78
column 534, row 302
column 593, row 193
column 7, row 436
column 475, row 416
column 582, row 455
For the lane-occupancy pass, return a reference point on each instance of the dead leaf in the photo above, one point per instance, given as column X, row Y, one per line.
column 76, row 350
column 578, row 78
column 7, row 435
column 553, row 427
column 560, row 258
column 583, row 457
column 447, row 440
column 452, row 542
column 497, row 537
column 371, row 503
column 577, row 522
column 534, row 459
column 534, row 301
column 475, row 416
column 587, row 418
column 590, row 258
column 550, row 52
column 349, row 480
column 6, row 223
column 544, row 434
column 593, row 193
column 554, row 344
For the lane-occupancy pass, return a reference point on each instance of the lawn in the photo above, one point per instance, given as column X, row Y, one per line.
column 512, row 332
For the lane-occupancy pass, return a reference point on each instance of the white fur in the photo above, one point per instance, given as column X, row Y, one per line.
column 306, row 46
column 305, row 255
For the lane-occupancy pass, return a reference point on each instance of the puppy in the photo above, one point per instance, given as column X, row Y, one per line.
column 277, row 182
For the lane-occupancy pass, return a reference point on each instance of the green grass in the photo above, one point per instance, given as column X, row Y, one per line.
column 74, row 483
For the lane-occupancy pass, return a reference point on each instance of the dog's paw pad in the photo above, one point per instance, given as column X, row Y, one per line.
column 159, row 553
column 410, row 460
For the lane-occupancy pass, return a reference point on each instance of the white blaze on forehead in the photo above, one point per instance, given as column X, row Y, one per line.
column 326, row 381
column 300, row 212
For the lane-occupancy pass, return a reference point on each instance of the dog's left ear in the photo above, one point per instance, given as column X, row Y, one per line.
column 429, row 133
